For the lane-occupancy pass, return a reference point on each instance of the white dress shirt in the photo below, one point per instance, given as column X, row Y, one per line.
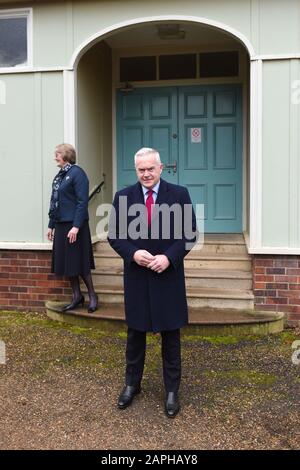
column 154, row 194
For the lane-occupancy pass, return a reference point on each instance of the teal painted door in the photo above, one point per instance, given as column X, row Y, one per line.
column 198, row 133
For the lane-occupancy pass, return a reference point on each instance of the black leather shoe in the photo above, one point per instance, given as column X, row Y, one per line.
column 74, row 304
column 172, row 404
column 127, row 395
column 93, row 306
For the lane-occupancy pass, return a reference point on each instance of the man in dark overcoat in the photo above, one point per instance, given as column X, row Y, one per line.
column 153, row 241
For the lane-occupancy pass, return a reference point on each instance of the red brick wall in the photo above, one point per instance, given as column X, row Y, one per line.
column 26, row 281
column 276, row 285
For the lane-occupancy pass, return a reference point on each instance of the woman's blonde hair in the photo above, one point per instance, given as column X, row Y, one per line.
column 68, row 152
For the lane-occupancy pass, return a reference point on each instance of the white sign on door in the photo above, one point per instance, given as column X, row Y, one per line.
column 196, row 135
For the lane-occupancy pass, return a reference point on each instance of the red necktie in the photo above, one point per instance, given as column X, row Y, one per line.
column 149, row 204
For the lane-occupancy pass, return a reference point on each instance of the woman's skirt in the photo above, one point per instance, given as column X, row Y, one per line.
column 72, row 259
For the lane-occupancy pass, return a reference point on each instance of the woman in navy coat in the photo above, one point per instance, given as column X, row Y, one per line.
column 68, row 228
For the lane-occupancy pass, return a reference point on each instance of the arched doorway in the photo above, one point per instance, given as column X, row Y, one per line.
column 200, row 116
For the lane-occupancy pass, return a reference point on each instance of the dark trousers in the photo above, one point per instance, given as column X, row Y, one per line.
column 170, row 350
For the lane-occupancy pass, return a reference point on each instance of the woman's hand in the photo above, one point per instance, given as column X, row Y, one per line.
column 72, row 235
column 50, row 234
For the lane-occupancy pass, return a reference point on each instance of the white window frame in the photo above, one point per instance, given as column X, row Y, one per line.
column 20, row 13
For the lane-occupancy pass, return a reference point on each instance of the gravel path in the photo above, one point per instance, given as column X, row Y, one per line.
column 60, row 384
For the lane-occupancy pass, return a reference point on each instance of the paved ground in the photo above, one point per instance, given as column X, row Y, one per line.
column 59, row 386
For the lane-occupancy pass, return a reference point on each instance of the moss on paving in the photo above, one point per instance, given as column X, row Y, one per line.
column 249, row 377
column 213, row 339
column 112, row 341
column 234, row 380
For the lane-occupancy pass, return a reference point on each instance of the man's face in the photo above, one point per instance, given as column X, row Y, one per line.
column 148, row 170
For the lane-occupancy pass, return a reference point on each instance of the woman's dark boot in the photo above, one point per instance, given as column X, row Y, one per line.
column 78, row 298
column 93, row 305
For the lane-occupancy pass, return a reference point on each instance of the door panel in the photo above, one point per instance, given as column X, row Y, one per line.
column 147, row 117
column 210, row 153
column 200, row 128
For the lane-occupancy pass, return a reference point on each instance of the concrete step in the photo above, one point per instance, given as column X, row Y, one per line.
column 210, row 246
column 211, row 243
column 220, row 298
column 192, row 260
column 196, row 297
column 215, row 248
column 213, row 278
column 217, row 276
column 202, row 321
column 209, row 238
column 227, row 262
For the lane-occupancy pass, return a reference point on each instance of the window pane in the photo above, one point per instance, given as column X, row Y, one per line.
column 13, row 41
column 219, row 64
column 177, row 66
column 137, row 69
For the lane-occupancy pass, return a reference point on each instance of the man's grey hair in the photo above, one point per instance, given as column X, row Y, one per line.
column 144, row 151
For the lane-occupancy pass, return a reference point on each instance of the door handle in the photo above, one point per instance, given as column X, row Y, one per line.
column 172, row 166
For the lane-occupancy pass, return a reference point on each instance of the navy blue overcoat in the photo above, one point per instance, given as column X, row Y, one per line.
column 73, row 198
column 153, row 302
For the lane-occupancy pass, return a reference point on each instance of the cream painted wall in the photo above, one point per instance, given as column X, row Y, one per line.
column 247, row 150
column 32, row 119
column 31, row 123
column 279, row 26
column 60, row 27
column 94, row 113
column 281, row 150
